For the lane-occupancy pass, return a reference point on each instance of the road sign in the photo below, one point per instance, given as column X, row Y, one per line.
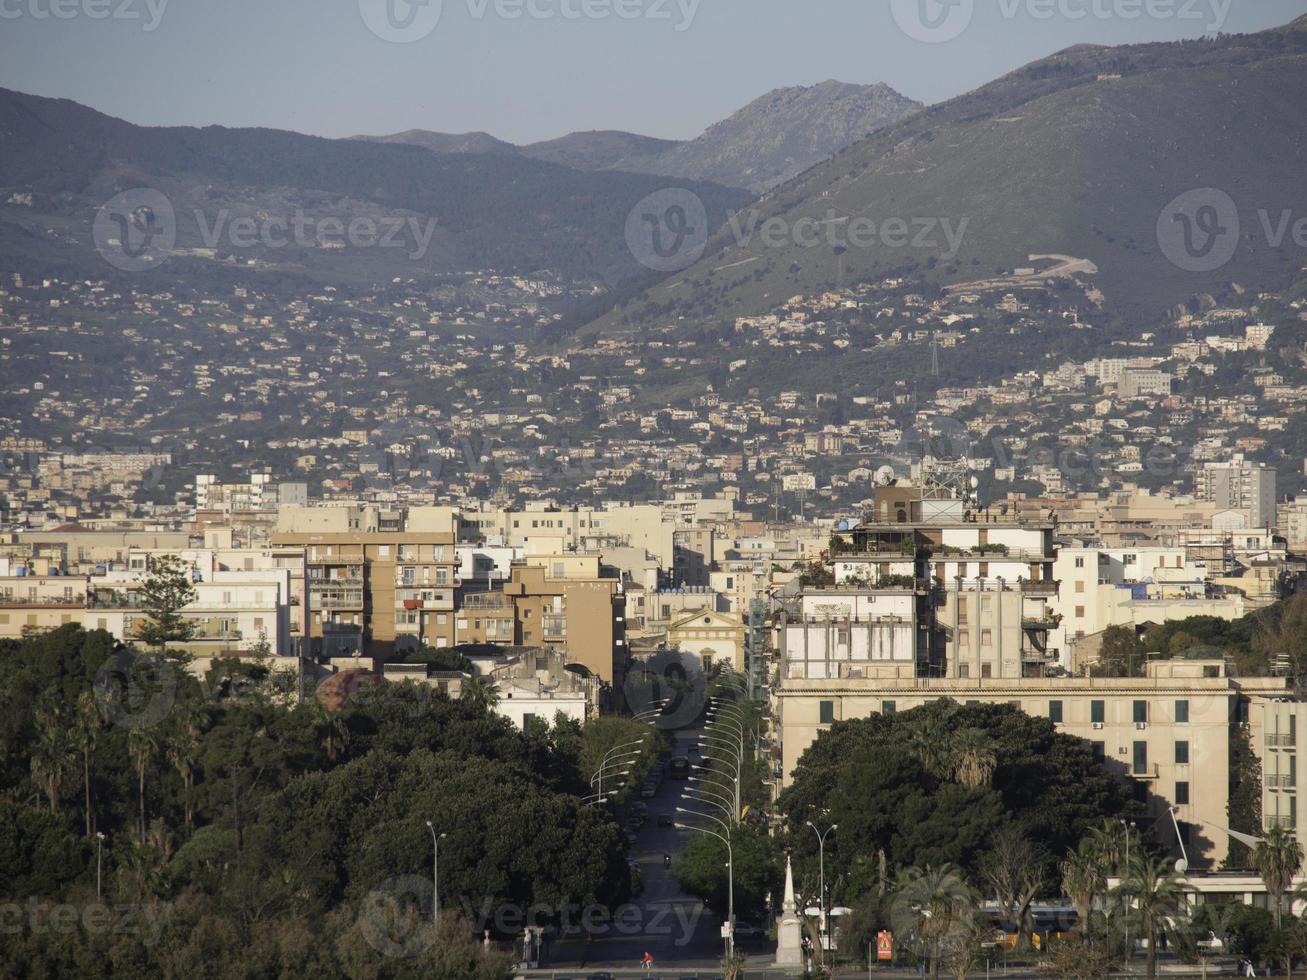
column 884, row 945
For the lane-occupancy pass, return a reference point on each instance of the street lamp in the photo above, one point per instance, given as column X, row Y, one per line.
column 435, row 874
column 99, row 845
column 725, row 838
column 1129, row 949
column 821, row 859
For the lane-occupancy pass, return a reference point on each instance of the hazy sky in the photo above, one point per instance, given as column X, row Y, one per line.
column 533, row 69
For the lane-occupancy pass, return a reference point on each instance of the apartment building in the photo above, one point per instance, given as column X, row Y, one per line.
column 233, row 613
column 1103, row 587
column 562, row 602
column 37, row 602
column 378, row 582
column 1168, row 733
column 555, row 530
column 1239, row 483
column 972, row 589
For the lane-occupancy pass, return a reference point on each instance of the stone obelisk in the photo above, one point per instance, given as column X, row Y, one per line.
column 789, row 935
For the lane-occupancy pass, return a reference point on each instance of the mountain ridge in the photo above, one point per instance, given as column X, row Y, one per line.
column 775, row 137
column 1077, row 154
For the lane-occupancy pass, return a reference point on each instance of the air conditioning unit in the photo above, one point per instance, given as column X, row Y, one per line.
column 1097, row 725
column 1140, row 725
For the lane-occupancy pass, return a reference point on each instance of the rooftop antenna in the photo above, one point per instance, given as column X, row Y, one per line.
column 934, row 356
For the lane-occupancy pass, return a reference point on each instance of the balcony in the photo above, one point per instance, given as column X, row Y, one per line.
column 1282, row 781
column 1040, row 624
column 1044, row 588
column 485, row 601
column 1276, row 741
column 43, row 602
column 1146, row 771
column 335, row 582
column 346, row 600
column 555, row 627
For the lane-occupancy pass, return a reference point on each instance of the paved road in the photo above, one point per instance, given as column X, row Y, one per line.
column 678, row 930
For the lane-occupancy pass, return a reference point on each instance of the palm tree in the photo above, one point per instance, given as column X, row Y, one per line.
column 85, row 734
column 1277, row 859
column 52, row 755
column 479, row 691
column 332, row 730
column 1083, row 879
column 1157, row 893
column 973, row 758
column 1111, row 839
column 927, row 740
column 142, row 745
column 935, row 905
column 183, row 752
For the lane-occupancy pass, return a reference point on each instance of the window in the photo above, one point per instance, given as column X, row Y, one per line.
column 826, row 712
column 964, row 670
column 1141, row 712
column 1080, row 612
column 1080, row 563
column 1099, row 750
column 1182, row 753
column 888, row 707
column 1080, row 587
column 1181, row 794
column 986, row 670
column 1055, row 712
column 1140, row 758
column 1097, row 712
column 1182, row 712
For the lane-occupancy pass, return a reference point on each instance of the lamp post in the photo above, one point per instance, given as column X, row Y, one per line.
column 99, row 845
column 435, row 874
column 725, row 838
column 821, row 860
column 1129, row 948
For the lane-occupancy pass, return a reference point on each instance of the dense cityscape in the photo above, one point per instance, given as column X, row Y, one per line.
column 647, row 563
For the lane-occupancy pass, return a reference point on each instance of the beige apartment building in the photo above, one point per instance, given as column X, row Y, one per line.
column 377, row 583
column 31, row 602
column 1168, row 733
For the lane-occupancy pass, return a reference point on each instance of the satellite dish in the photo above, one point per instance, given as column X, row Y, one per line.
column 1181, row 866
column 975, row 483
column 885, row 476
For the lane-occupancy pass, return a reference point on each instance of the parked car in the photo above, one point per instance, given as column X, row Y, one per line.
column 648, row 791
column 666, row 820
